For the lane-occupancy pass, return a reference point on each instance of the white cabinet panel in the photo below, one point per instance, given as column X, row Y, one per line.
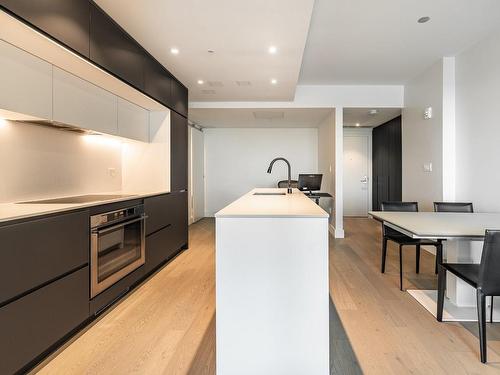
column 133, row 121
column 82, row 104
column 25, row 82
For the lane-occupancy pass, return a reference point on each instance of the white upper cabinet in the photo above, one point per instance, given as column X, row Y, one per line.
column 82, row 104
column 25, row 82
column 133, row 121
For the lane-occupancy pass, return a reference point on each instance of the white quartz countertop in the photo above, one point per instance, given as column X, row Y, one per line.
column 16, row 211
column 439, row 224
column 287, row 205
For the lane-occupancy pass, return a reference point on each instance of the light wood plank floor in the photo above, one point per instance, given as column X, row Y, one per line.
column 167, row 325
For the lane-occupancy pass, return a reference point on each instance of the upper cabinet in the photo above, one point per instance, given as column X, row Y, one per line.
column 133, row 121
column 179, row 97
column 25, row 82
column 64, row 20
column 82, row 104
column 115, row 50
column 158, row 82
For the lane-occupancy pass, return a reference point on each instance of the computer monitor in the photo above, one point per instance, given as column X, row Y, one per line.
column 310, row 182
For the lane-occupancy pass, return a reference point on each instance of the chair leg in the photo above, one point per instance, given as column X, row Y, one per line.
column 481, row 312
column 417, row 259
column 439, row 255
column 384, row 253
column 491, row 310
column 401, row 267
column 441, row 290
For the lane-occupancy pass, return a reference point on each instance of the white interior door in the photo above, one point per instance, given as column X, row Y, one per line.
column 197, row 203
column 356, row 174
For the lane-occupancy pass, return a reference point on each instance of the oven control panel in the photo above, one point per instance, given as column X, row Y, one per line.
column 115, row 216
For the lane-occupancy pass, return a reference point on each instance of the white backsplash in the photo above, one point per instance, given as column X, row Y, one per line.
column 41, row 162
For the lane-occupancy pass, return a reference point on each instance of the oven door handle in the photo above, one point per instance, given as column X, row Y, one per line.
column 121, row 225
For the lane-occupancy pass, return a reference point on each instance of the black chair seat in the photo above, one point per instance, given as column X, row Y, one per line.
column 405, row 240
column 467, row 272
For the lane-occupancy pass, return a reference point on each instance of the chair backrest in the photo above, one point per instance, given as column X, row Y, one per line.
column 397, row 207
column 284, row 183
column 489, row 270
column 453, row 207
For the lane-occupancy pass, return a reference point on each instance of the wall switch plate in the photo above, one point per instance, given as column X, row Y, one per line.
column 428, row 167
column 112, row 172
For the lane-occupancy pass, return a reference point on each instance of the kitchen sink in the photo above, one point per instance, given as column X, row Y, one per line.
column 269, row 193
column 78, row 199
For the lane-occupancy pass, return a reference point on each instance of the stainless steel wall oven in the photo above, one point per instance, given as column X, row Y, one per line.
column 117, row 247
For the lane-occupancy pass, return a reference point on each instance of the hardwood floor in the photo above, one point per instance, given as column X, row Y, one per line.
column 167, row 325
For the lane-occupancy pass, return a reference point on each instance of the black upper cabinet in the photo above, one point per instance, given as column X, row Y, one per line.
column 114, row 50
column 65, row 20
column 179, row 97
column 178, row 152
column 158, row 82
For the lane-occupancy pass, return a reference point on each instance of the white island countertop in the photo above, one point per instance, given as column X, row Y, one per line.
column 16, row 211
column 296, row 204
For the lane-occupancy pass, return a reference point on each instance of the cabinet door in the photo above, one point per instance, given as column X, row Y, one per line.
column 158, row 82
column 25, row 82
column 180, row 97
column 179, row 208
column 178, row 152
column 82, row 104
column 66, row 21
column 114, row 50
column 38, row 251
column 160, row 247
column 159, row 212
column 32, row 324
column 133, row 121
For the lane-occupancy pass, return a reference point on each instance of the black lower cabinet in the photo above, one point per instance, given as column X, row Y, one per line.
column 160, row 247
column 34, row 323
column 180, row 220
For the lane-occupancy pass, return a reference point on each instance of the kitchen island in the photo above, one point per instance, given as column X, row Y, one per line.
column 272, row 294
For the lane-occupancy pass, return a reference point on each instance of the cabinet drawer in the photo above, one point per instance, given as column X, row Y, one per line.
column 32, row 324
column 160, row 212
column 179, row 205
column 37, row 251
column 160, row 246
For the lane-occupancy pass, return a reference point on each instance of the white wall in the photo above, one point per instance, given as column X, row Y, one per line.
column 236, row 160
column 422, row 140
column 478, row 125
column 326, row 161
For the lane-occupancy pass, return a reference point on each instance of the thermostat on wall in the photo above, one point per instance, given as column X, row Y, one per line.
column 428, row 113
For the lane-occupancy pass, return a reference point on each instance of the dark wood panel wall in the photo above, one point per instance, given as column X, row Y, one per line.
column 387, row 166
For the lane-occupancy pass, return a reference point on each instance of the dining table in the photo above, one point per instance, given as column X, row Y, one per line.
column 462, row 235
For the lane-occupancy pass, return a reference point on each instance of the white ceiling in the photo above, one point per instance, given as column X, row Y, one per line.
column 239, row 32
column 363, row 117
column 380, row 42
column 259, row 118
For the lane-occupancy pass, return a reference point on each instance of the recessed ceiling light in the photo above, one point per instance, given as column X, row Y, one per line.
column 357, row 124
column 174, row 51
column 274, row 81
column 272, row 50
column 200, row 82
column 373, row 111
column 424, row 19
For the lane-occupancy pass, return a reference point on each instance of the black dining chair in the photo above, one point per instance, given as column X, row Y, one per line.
column 484, row 277
column 464, row 207
column 389, row 234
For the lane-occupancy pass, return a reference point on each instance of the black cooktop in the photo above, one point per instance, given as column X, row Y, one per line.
column 79, row 199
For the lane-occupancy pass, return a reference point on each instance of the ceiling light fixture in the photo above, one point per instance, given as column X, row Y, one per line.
column 424, row 19
column 274, row 81
column 373, row 112
column 272, row 50
column 357, row 124
column 174, row 51
column 200, row 82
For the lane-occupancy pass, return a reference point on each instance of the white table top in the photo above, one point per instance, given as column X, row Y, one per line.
column 443, row 225
column 288, row 205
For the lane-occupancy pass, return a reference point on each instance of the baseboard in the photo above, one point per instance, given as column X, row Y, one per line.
column 337, row 233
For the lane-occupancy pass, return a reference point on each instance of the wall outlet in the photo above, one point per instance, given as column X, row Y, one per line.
column 428, row 113
column 428, row 167
column 112, row 172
